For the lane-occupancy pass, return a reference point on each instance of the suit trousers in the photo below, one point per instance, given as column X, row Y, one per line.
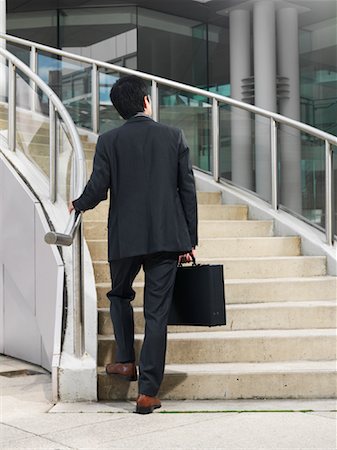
column 160, row 271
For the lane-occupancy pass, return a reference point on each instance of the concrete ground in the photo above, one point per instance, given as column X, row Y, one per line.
column 30, row 420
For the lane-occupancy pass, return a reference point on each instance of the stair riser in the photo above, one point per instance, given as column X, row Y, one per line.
column 209, row 198
column 262, row 318
column 217, row 229
column 226, row 248
column 205, row 212
column 263, row 292
column 253, row 349
column 228, row 386
column 242, row 269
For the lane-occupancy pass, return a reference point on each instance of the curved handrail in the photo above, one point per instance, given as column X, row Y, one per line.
column 80, row 175
column 184, row 87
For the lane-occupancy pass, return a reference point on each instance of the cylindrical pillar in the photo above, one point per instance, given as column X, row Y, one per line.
column 3, row 78
column 290, row 139
column 265, row 90
column 240, row 68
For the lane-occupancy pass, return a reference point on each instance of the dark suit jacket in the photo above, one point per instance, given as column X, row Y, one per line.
column 146, row 166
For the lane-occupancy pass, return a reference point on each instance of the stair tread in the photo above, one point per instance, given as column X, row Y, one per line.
column 234, row 281
column 270, row 305
column 241, row 238
column 261, row 367
column 244, row 334
column 246, row 258
column 201, row 220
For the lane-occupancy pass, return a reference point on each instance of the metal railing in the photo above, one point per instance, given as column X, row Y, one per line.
column 217, row 100
column 73, row 231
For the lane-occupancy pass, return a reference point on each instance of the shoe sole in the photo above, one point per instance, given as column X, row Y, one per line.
column 149, row 410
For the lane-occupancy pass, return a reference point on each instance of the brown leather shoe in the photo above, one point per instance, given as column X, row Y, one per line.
column 146, row 404
column 127, row 371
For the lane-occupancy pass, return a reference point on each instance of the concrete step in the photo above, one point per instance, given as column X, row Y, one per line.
column 226, row 247
column 255, row 316
column 205, row 212
column 242, row 268
column 296, row 379
column 97, row 229
column 209, row 198
column 237, row 346
column 254, row 291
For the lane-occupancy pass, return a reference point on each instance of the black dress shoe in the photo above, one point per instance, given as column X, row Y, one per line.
column 126, row 371
column 146, row 404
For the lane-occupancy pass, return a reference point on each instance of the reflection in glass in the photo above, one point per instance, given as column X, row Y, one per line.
column 105, row 34
column 303, row 194
column 191, row 113
column 109, row 117
column 37, row 26
column 172, row 47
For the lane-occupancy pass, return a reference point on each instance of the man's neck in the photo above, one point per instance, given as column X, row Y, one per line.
column 141, row 114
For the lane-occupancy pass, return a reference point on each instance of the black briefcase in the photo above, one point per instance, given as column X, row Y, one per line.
column 199, row 296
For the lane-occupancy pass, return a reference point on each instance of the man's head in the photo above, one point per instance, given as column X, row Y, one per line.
column 129, row 96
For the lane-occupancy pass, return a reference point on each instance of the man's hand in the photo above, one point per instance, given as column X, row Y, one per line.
column 70, row 207
column 186, row 258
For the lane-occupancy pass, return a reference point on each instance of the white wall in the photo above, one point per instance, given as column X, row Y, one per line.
column 31, row 275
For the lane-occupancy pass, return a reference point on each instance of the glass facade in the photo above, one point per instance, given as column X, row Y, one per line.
column 195, row 52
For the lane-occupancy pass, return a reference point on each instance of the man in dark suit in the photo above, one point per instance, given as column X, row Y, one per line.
column 152, row 223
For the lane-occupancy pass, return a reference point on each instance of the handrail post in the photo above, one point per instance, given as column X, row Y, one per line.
column 78, row 290
column 52, row 153
column 274, row 165
column 33, row 67
column 155, row 103
column 95, row 98
column 11, row 106
column 329, row 209
column 215, row 140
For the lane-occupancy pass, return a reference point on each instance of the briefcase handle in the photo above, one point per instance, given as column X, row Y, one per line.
column 194, row 262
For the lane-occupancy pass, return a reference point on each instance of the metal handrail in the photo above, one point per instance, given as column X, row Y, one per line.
column 66, row 238
column 184, row 87
column 73, row 231
column 216, row 99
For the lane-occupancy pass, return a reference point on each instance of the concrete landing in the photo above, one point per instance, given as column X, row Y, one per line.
column 30, row 420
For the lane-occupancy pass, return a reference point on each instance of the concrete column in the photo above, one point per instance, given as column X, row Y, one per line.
column 3, row 78
column 240, row 68
column 289, row 138
column 265, row 89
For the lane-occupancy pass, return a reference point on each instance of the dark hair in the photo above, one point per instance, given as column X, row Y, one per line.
column 127, row 95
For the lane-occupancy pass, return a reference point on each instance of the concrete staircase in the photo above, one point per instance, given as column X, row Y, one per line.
column 280, row 337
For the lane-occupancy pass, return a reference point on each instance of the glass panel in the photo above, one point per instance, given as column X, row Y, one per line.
column 318, row 68
column 71, row 80
column 105, row 34
column 32, row 128
column 109, row 117
column 172, row 47
column 218, row 60
column 21, row 52
column 237, row 149
column 65, row 164
column 192, row 114
column 302, row 174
